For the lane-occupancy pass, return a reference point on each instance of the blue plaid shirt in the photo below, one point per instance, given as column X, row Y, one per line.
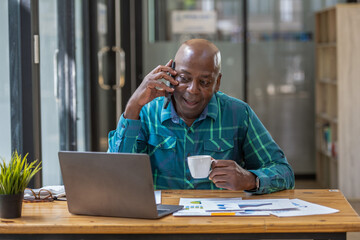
column 227, row 129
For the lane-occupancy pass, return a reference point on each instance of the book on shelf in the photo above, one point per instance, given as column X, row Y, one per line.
column 329, row 146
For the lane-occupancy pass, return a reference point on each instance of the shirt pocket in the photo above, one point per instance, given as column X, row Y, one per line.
column 219, row 148
column 162, row 152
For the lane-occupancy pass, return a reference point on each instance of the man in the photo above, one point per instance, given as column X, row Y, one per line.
column 199, row 120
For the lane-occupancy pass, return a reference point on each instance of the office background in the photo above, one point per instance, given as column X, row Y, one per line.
column 74, row 95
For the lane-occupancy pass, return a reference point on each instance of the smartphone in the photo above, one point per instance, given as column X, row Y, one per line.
column 168, row 94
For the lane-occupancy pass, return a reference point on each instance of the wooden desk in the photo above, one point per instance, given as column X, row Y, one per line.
column 53, row 221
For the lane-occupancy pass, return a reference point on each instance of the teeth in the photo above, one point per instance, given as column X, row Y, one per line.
column 190, row 102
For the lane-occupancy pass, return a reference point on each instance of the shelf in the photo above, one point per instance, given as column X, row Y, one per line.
column 331, row 158
column 328, row 81
column 326, row 44
column 327, row 117
column 337, row 33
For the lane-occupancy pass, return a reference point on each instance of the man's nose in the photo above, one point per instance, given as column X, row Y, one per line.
column 193, row 87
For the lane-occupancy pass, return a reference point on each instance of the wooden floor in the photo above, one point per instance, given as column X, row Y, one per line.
column 355, row 203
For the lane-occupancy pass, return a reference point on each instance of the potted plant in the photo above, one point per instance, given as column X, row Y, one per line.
column 14, row 178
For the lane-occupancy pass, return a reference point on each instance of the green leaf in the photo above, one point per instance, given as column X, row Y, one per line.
column 16, row 175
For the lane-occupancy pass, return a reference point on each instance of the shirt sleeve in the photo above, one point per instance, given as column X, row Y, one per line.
column 124, row 138
column 264, row 158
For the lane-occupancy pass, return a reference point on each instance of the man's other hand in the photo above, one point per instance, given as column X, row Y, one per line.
column 229, row 175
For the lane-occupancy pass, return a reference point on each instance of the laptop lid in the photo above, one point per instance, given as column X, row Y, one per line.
column 109, row 184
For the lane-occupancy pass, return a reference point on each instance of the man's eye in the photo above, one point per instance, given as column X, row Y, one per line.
column 182, row 79
column 204, row 83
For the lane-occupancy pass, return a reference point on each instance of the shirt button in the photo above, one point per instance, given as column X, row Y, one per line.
column 123, row 126
column 219, row 148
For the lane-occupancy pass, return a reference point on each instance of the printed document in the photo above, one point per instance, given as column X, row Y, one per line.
column 305, row 209
column 258, row 207
column 214, row 207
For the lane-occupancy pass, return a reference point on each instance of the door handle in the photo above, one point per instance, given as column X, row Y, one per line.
column 120, row 82
column 100, row 62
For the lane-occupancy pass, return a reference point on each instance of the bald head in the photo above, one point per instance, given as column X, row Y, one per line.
column 202, row 50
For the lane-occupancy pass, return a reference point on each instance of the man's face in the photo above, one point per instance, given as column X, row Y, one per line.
column 198, row 80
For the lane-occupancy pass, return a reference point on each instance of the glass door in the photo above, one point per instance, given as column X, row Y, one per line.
column 107, row 70
column 62, row 83
column 81, row 75
column 5, row 128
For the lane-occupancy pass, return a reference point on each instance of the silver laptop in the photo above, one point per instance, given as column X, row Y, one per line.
column 110, row 184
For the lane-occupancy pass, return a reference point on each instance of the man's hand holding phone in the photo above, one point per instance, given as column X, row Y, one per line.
column 151, row 88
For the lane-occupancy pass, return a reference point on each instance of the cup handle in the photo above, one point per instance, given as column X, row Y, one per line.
column 212, row 160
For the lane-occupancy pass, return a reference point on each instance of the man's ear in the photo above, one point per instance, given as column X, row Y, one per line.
column 218, row 80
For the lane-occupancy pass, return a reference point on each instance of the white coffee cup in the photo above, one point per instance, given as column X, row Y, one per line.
column 199, row 166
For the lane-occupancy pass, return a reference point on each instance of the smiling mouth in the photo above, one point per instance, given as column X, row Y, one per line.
column 190, row 103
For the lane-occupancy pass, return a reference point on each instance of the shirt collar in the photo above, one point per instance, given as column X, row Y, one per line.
column 211, row 110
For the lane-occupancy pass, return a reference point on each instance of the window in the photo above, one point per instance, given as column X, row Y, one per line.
column 5, row 136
